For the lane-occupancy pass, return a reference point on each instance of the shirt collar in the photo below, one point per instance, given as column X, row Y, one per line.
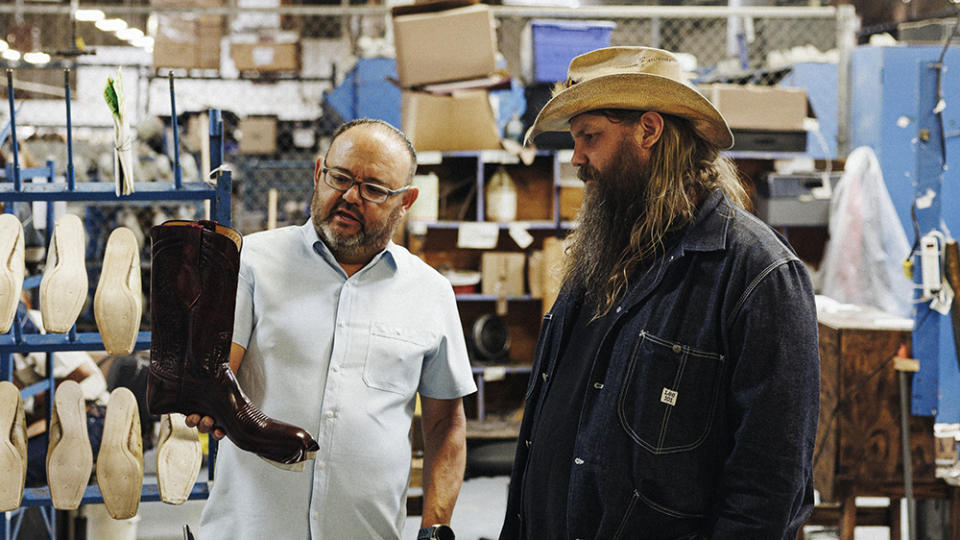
column 710, row 223
column 312, row 239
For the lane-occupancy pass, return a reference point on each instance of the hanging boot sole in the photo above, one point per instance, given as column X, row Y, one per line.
column 63, row 288
column 179, row 456
column 120, row 461
column 117, row 304
column 69, row 457
column 13, row 447
column 11, row 269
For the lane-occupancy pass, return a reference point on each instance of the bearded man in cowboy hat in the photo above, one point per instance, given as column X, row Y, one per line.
column 675, row 389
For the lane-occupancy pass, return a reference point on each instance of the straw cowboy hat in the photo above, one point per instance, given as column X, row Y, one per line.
column 639, row 78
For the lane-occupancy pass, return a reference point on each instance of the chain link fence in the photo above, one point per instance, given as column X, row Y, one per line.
column 304, row 69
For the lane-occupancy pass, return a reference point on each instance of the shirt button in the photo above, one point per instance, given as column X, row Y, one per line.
column 341, row 324
column 619, row 309
column 330, row 414
column 677, row 349
column 335, row 369
column 321, row 464
column 315, row 515
column 544, row 375
column 578, row 461
column 598, row 385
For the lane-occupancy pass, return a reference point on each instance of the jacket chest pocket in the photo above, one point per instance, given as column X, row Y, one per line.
column 669, row 395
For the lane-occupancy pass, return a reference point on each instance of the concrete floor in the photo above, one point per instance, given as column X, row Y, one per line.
column 478, row 515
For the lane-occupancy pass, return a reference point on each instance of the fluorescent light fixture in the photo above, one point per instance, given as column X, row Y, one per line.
column 36, row 57
column 130, row 34
column 11, row 55
column 144, row 42
column 111, row 25
column 3, row 45
column 92, row 15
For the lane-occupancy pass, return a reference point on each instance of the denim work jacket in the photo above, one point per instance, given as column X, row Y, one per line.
column 700, row 414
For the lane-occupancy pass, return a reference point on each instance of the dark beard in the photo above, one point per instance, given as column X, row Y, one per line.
column 612, row 205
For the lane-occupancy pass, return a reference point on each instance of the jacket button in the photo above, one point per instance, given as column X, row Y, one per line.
column 677, row 349
column 578, row 461
column 598, row 386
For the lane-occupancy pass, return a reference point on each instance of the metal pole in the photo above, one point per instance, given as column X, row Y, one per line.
column 177, row 175
column 13, row 133
column 71, row 178
column 846, row 41
column 907, row 458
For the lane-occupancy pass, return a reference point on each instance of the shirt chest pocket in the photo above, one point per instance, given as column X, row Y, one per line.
column 394, row 358
column 669, row 396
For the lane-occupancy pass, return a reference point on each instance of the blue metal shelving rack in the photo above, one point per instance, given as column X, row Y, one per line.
column 14, row 191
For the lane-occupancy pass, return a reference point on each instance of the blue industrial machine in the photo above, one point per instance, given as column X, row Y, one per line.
column 897, row 111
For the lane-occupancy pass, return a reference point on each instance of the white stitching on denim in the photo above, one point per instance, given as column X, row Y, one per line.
column 756, row 283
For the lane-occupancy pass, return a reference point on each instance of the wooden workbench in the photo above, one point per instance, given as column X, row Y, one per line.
column 858, row 451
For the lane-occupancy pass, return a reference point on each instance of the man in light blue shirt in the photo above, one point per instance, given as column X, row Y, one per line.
column 337, row 329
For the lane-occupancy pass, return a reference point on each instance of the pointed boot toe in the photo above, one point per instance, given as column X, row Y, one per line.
column 120, row 461
column 63, row 288
column 13, row 447
column 69, row 457
column 179, row 456
column 117, row 304
column 11, row 268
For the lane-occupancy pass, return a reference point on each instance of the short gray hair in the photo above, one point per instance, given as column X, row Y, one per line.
column 387, row 128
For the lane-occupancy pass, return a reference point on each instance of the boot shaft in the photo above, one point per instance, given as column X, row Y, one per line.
column 193, row 288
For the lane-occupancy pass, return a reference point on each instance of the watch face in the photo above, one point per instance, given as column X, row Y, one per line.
column 442, row 532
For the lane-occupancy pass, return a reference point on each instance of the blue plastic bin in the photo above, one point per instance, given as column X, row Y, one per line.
column 557, row 42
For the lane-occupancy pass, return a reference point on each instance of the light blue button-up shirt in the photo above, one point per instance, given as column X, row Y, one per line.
column 342, row 358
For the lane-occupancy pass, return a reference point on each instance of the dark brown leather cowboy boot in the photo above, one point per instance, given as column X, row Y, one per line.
column 193, row 292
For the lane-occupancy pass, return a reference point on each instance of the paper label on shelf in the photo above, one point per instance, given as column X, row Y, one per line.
column 478, row 235
column 494, row 373
column 520, row 235
column 429, row 158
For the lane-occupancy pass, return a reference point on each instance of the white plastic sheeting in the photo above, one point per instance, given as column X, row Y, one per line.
column 863, row 260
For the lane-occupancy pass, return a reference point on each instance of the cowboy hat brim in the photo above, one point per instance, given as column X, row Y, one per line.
column 636, row 91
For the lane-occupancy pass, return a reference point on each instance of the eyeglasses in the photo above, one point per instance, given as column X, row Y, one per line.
column 369, row 191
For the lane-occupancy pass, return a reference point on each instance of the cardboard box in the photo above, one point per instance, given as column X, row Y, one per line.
column 266, row 56
column 501, row 273
column 759, row 107
column 187, row 40
column 438, row 46
column 259, row 135
column 461, row 121
column 571, row 197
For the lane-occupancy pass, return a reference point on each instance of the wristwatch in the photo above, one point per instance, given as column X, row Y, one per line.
column 440, row 532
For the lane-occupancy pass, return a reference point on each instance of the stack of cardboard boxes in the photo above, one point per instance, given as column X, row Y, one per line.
column 446, row 61
column 187, row 40
column 260, row 43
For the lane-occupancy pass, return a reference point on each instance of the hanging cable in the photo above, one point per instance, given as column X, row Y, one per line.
column 941, row 104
